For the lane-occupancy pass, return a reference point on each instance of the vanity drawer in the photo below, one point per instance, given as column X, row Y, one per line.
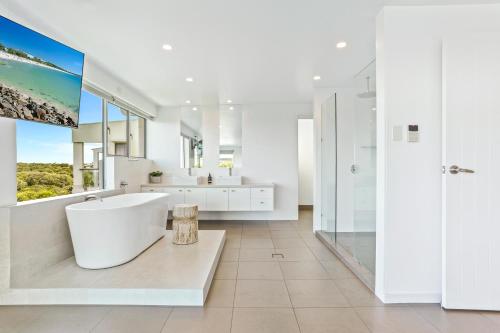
column 239, row 199
column 261, row 204
column 262, row 192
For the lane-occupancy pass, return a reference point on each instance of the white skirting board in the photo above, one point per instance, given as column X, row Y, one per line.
column 398, row 298
column 165, row 274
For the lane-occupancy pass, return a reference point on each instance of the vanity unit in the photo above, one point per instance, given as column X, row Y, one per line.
column 219, row 198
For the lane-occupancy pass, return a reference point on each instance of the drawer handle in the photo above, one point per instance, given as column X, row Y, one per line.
column 262, row 190
column 189, row 190
column 233, row 190
column 262, row 202
column 224, row 191
column 151, row 190
column 179, row 190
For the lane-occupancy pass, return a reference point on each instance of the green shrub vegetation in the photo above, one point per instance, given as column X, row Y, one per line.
column 43, row 180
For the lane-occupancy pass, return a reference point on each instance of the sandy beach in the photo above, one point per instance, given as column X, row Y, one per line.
column 8, row 56
column 15, row 104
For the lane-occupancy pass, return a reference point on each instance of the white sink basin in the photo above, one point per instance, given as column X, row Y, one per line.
column 227, row 180
column 186, row 180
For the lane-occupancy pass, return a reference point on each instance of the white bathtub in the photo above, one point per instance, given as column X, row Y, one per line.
column 115, row 230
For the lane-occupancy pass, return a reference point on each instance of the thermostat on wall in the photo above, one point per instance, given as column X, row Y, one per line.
column 413, row 133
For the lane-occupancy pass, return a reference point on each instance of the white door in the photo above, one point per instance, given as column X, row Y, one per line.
column 239, row 199
column 217, row 199
column 471, row 180
column 196, row 196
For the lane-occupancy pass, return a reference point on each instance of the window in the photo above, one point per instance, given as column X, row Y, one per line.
column 117, row 131
column 54, row 160
column 137, row 135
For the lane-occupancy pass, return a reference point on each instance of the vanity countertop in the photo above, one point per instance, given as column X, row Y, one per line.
column 271, row 185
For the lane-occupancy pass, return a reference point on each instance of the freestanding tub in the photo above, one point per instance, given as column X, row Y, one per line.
column 115, row 230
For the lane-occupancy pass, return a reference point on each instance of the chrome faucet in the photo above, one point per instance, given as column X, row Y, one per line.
column 93, row 197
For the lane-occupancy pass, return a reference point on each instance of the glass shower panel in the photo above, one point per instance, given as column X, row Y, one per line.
column 328, row 166
column 364, row 169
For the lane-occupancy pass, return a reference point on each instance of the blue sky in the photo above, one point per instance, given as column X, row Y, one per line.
column 44, row 143
column 16, row 36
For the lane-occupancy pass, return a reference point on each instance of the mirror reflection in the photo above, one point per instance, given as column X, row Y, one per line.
column 191, row 139
column 230, row 121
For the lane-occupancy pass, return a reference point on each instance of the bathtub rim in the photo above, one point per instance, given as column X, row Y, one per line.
column 73, row 207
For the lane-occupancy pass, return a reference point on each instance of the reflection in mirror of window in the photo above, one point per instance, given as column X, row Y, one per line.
column 137, row 136
column 117, row 131
column 191, row 139
column 230, row 146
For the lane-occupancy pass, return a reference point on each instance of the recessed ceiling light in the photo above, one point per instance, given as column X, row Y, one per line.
column 188, row 101
column 229, row 101
column 195, row 108
column 189, row 79
column 316, row 77
column 167, row 47
column 231, row 108
column 341, row 45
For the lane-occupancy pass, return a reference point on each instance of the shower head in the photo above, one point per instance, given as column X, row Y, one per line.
column 368, row 93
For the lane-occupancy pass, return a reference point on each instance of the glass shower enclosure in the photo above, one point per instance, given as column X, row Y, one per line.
column 348, row 173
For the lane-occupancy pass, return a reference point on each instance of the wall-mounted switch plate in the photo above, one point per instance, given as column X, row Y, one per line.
column 413, row 133
column 397, row 133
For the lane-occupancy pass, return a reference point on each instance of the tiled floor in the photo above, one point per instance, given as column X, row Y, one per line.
column 306, row 290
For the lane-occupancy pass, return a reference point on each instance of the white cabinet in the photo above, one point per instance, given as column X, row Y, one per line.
column 196, row 196
column 262, row 199
column 176, row 195
column 239, row 199
column 217, row 199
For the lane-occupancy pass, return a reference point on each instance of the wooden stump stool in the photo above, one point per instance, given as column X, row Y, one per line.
column 185, row 225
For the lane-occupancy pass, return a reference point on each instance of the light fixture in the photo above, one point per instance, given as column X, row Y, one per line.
column 189, row 79
column 167, row 47
column 229, row 101
column 188, row 101
column 316, row 77
column 341, row 45
column 195, row 108
column 231, row 108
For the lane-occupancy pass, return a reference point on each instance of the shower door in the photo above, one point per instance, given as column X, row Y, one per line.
column 329, row 167
column 364, row 170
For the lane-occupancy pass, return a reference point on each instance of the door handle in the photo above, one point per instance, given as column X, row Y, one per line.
column 454, row 169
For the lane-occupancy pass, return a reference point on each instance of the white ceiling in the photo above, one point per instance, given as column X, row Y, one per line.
column 252, row 51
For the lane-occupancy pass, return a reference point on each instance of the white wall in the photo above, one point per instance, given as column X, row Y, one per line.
column 409, row 44
column 269, row 153
column 306, row 161
column 134, row 172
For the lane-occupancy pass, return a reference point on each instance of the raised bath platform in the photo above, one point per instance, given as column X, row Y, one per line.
column 164, row 274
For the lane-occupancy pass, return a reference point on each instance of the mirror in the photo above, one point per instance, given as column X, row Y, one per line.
column 191, row 139
column 230, row 136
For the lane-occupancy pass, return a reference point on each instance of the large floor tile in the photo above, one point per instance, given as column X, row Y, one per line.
column 256, row 255
column 67, row 319
column 221, row 294
column 261, row 293
column 337, row 270
column 230, row 254
column 329, row 320
column 264, row 321
column 394, row 320
column 257, row 243
column 323, row 253
column 303, row 270
column 289, row 243
column 284, row 233
column 15, row 318
column 357, row 293
column 259, row 270
column 315, row 293
column 456, row 321
column 233, row 243
column 281, row 225
column 199, row 320
column 295, row 254
column 133, row 319
column 227, row 270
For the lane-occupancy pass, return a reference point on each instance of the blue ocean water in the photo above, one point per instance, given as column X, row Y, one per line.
column 55, row 87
